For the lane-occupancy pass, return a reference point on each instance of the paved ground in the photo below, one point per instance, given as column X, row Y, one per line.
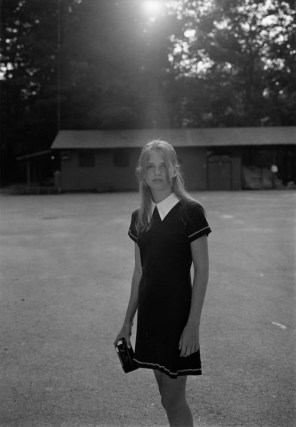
column 66, row 265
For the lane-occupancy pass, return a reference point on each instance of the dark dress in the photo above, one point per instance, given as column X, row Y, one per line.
column 165, row 288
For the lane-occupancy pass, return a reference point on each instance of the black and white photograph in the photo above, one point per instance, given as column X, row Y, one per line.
column 147, row 213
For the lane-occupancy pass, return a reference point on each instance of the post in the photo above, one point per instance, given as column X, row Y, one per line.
column 58, row 64
column 28, row 174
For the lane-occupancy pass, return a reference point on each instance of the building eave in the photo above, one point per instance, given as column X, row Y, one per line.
column 182, row 137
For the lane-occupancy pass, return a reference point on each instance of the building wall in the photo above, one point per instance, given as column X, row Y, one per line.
column 224, row 172
column 114, row 170
column 236, row 180
column 194, row 166
column 104, row 175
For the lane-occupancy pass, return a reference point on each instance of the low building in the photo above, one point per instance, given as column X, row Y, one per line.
column 211, row 158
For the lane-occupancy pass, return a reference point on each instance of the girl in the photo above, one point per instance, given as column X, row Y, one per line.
column 170, row 232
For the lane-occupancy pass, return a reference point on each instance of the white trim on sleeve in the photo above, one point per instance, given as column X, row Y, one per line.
column 132, row 235
column 193, row 234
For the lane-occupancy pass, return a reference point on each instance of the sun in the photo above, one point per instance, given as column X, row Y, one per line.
column 153, row 9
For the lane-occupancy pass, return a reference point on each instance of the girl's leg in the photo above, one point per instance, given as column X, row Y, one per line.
column 173, row 399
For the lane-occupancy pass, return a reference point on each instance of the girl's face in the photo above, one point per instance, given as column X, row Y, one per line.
column 157, row 175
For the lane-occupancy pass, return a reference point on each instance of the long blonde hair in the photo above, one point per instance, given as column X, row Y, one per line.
column 177, row 182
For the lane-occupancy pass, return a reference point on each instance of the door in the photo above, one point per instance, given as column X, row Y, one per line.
column 219, row 175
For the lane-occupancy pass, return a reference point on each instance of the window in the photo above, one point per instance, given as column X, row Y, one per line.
column 86, row 160
column 66, row 155
column 121, row 158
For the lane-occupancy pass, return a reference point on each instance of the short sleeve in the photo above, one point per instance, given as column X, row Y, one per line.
column 197, row 224
column 132, row 231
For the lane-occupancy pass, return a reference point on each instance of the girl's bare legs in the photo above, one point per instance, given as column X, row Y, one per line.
column 173, row 399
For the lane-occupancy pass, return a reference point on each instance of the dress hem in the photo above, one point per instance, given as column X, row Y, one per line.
column 166, row 371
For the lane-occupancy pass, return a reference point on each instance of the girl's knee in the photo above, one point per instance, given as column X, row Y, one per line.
column 167, row 401
column 172, row 392
column 172, row 398
column 170, row 402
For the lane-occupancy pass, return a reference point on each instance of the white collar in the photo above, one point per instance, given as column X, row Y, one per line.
column 165, row 205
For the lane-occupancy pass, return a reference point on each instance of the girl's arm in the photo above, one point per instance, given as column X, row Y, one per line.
column 132, row 307
column 189, row 342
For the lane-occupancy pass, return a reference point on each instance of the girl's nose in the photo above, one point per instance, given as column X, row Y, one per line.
column 158, row 170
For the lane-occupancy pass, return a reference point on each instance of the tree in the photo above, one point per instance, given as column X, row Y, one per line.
column 118, row 77
column 242, row 53
column 28, row 79
column 88, row 64
column 28, row 62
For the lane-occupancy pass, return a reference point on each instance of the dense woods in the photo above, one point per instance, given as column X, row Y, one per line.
column 109, row 64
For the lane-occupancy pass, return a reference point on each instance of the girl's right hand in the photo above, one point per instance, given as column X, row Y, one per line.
column 125, row 332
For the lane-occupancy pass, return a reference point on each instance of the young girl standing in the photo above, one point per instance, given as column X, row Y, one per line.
column 170, row 232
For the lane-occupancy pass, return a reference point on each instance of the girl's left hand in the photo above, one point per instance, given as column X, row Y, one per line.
column 189, row 341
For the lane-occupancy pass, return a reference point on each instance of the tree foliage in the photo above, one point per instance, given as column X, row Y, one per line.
column 105, row 64
column 240, row 56
column 115, row 65
column 28, row 84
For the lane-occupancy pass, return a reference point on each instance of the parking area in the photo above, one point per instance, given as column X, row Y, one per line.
column 66, row 266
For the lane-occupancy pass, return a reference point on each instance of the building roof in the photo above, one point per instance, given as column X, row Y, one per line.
column 183, row 137
column 30, row 156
